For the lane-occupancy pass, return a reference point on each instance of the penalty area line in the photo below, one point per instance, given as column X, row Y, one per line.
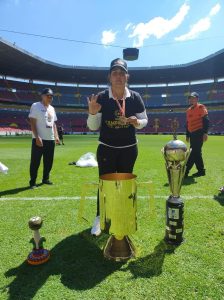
column 66, row 198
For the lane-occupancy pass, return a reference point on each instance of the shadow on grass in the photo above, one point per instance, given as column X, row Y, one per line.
column 17, row 190
column 186, row 181
column 189, row 180
column 151, row 265
column 14, row 191
column 78, row 259
column 219, row 198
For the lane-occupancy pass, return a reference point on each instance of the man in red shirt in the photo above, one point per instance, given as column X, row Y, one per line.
column 197, row 133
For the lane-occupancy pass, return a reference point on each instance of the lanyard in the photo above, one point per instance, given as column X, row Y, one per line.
column 121, row 108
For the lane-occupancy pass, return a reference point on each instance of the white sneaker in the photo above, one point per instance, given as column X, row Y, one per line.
column 96, row 227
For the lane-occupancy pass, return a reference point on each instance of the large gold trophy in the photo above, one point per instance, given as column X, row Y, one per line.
column 117, row 193
column 176, row 155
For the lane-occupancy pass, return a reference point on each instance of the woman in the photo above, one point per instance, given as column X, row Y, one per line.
column 117, row 111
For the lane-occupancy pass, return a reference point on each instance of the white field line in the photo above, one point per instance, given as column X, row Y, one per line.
column 62, row 198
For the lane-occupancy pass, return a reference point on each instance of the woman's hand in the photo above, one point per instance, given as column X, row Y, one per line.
column 133, row 121
column 94, row 107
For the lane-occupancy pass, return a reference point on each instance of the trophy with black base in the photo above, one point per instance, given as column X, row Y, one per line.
column 176, row 155
column 39, row 255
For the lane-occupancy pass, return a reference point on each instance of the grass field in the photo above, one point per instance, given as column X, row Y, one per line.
column 77, row 269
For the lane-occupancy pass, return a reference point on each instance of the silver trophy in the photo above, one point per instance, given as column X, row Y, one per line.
column 176, row 155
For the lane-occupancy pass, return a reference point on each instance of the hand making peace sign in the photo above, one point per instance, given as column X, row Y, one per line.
column 94, row 107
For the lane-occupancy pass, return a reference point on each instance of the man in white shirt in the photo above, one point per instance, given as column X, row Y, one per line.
column 44, row 134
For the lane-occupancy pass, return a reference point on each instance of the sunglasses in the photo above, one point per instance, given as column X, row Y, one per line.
column 49, row 96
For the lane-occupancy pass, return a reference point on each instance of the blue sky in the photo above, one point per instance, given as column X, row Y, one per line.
column 167, row 32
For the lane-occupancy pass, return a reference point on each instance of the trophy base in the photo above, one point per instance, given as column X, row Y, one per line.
column 174, row 221
column 38, row 257
column 119, row 250
column 173, row 243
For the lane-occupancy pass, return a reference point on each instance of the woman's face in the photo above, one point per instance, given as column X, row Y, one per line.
column 118, row 77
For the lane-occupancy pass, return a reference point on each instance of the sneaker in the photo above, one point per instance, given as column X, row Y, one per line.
column 221, row 189
column 96, row 227
column 32, row 187
column 47, row 182
column 199, row 174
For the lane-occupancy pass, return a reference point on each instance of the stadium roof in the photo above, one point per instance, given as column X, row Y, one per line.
column 16, row 62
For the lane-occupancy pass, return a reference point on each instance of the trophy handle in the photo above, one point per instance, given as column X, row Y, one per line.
column 84, row 190
column 151, row 199
column 184, row 165
column 187, row 156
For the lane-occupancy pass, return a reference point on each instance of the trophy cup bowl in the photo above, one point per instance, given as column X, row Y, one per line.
column 176, row 155
column 118, row 206
column 39, row 255
column 175, row 150
column 35, row 223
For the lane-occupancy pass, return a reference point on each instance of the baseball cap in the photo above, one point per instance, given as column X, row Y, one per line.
column 119, row 63
column 47, row 91
column 193, row 94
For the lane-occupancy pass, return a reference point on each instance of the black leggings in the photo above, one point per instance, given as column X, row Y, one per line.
column 115, row 160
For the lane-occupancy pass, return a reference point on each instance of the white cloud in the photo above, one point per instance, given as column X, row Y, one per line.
column 108, row 37
column 196, row 29
column 202, row 25
column 128, row 26
column 215, row 10
column 157, row 27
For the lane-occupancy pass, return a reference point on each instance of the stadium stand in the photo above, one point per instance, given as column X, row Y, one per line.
column 75, row 95
column 159, row 121
column 75, row 122
column 164, row 91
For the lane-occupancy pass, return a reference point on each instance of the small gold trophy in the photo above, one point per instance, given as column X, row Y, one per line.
column 118, row 206
column 39, row 255
column 176, row 155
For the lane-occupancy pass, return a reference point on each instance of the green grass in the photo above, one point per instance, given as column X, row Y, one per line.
column 77, row 269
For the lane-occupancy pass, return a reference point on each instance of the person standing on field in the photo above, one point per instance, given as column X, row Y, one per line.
column 196, row 134
column 44, row 134
column 60, row 134
column 117, row 112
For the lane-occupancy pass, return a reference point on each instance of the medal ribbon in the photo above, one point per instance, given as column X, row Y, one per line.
column 121, row 108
